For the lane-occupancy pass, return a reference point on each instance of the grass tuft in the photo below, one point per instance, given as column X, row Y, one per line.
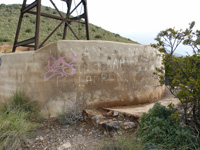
column 72, row 113
column 121, row 143
column 16, row 121
column 13, row 129
column 20, row 102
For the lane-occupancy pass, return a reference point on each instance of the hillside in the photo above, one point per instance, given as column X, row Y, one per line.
column 9, row 15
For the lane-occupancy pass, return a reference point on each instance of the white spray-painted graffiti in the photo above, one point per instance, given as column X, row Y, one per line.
column 60, row 68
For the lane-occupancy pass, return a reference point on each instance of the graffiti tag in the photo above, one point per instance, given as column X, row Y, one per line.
column 60, row 68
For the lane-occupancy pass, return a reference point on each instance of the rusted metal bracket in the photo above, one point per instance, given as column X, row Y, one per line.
column 66, row 20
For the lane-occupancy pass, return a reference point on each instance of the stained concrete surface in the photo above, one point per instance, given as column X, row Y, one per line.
column 91, row 73
column 138, row 110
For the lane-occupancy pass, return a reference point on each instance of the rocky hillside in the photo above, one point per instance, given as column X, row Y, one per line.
column 9, row 15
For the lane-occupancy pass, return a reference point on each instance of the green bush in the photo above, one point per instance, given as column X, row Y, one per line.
column 4, row 40
column 120, row 143
column 157, row 129
column 93, row 30
column 181, row 74
column 14, row 128
column 117, row 35
column 59, row 34
column 20, row 102
column 72, row 113
column 28, row 30
column 98, row 37
column 16, row 121
column 47, row 8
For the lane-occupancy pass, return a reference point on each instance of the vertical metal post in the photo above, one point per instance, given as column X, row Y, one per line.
column 19, row 25
column 37, row 30
column 37, row 3
column 69, row 2
column 86, row 19
column 65, row 31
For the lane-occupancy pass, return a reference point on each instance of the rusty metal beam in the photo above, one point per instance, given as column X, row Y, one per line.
column 78, row 17
column 29, row 7
column 74, row 9
column 25, row 42
column 47, row 15
column 51, row 33
column 19, row 26
column 37, row 30
column 86, row 19
column 69, row 3
column 56, row 8
column 72, row 30
column 81, row 19
column 30, row 46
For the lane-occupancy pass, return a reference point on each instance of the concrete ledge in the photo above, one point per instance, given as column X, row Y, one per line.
column 92, row 73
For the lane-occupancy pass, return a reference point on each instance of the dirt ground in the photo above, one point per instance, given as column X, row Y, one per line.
column 85, row 135
column 81, row 136
column 8, row 49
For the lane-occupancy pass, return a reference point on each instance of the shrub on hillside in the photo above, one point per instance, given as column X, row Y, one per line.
column 4, row 40
column 158, row 129
column 16, row 121
column 72, row 113
column 19, row 101
column 181, row 74
column 14, row 128
column 98, row 37
column 28, row 30
column 120, row 143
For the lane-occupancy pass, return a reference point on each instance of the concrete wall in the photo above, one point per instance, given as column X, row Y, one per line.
column 93, row 73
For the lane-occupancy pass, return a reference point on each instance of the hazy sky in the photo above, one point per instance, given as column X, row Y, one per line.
column 139, row 20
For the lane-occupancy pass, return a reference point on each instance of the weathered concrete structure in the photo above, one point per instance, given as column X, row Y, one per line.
column 94, row 73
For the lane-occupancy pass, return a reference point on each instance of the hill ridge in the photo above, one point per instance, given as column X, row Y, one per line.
column 9, row 15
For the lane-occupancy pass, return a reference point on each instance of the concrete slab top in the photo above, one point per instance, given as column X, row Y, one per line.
column 138, row 110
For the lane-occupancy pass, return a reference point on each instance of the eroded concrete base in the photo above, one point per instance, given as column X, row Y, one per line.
column 138, row 110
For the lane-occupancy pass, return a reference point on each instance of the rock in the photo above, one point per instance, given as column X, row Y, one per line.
column 128, row 125
column 97, row 119
column 41, row 138
column 45, row 131
column 115, row 113
column 109, row 113
column 65, row 146
column 111, row 125
column 37, row 138
column 46, row 148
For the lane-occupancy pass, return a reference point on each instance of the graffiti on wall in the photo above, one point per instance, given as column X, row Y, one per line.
column 59, row 68
column 112, row 68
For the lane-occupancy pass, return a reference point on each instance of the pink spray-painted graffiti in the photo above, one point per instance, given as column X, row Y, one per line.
column 60, row 68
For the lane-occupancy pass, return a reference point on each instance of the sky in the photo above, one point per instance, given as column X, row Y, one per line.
column 139, row 20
